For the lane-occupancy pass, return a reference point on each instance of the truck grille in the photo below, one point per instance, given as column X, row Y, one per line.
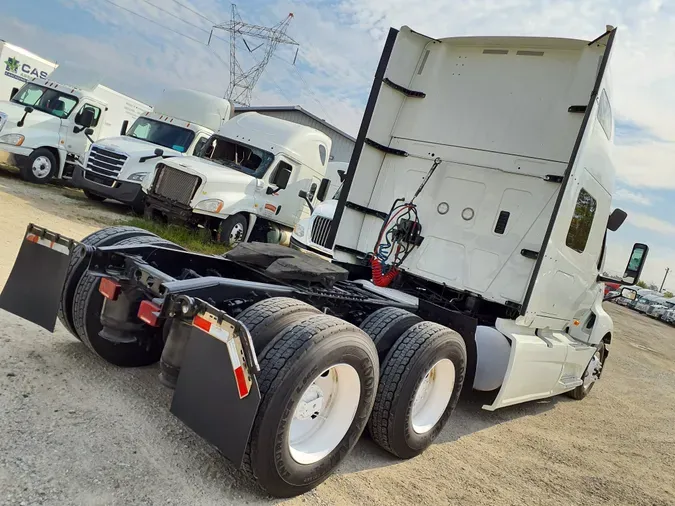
column 320, row 230
column 105, row 162
column 175, row 185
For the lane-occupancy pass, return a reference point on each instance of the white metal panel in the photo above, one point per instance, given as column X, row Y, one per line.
column 194, row 107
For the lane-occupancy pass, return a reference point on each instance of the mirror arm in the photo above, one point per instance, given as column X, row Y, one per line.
column 309, row 203
column 606, row 279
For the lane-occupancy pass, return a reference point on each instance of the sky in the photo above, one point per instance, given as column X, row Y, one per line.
column 145, row 46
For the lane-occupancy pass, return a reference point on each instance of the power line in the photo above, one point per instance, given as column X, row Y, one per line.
column 193, row 11
column 154, row 22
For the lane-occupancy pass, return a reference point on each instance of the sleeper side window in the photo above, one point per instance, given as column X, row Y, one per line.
column 582, row 221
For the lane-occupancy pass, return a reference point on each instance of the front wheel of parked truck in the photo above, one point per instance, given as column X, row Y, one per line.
column 40, row 167
column 232, row 230
column 317, row 382
column 420, row 384
column 591, row 375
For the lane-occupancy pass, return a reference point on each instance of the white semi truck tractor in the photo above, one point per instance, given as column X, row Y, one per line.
column 244, row 185
column 179, row 125
column 469, row 242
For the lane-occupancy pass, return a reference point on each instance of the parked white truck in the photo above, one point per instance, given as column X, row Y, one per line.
column 469, row 242
column 180, row 124
column 244, row 184
column 48, row 124
column 19, row 66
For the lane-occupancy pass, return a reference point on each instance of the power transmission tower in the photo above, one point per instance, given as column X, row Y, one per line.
column 243, row 81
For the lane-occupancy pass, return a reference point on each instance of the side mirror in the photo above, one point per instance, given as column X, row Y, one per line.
column 302, row 194
column 125, row 125
column 13, row 92
column 629, row 293
column 323, row 189
column 305, row 196
column 616, row 219
column 28, row 109
column 638, row 257
column 86, row 119
column 342, row 175
column 159, row 152
column 281, row 176
column 89, row 131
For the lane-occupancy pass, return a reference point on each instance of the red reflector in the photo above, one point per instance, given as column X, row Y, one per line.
column 202, row 323
column 148, row 312
column 109, row 288
column 241, row 382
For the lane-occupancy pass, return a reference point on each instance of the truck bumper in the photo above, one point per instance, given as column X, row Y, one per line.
column 174, row 212
column 297, row 245
column 122, row 191
column 14, row 155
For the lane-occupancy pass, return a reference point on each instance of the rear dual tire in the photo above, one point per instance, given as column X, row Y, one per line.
column 317, row 383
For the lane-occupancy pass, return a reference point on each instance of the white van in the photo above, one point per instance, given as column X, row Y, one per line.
column 49, row 123
column 181, row 123
column 245, row 183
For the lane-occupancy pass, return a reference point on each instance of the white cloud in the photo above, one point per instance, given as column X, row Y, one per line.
column 651, row 223
column 622, row 194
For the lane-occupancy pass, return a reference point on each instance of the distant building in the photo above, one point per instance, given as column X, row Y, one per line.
column 343, row 144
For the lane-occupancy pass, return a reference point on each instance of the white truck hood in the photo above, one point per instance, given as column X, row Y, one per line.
column 133, row 147
column 11, row 113
column 326, row 209
column 210, row 172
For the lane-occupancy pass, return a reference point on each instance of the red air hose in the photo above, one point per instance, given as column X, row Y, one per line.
column 380, row 279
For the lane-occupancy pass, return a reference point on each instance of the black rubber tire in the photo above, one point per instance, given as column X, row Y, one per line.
column 225, row 229
column 267, row 318
column 87, row 305
column 386, row 325
column 401, row 373
column 580, row 392
column 26, row 170
column 94, row 196
column 288, row 366
column 103, row 237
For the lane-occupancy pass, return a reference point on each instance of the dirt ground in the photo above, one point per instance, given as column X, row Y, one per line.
column 75, row 430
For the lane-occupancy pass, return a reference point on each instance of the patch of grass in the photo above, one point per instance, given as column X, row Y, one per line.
column 194, row 240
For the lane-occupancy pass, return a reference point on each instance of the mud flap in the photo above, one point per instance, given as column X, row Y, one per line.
column 33, row 290
column 217, row 394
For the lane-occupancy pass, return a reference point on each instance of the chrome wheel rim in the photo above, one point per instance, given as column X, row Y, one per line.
column 433, row 396
column 41, row 167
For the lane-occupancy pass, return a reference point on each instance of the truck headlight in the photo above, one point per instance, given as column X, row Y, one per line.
column 210, row 205
column 13, row 139
column 138, row 176
column 299, row 230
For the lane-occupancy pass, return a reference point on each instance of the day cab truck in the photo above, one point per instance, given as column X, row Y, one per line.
column 310, row 234
column 48, row 124
column 469, row 243
column 179, row 125
column 244, row 183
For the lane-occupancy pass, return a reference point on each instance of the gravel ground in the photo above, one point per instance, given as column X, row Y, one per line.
column 75, row 430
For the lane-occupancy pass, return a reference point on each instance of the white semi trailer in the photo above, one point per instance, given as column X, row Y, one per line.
column 469, row 242
column 48, row 124
column 181, row 123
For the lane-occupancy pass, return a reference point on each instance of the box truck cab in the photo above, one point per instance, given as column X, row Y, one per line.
column 180, row 124
column 469, row 243
column 48, row 124
column 245, row 182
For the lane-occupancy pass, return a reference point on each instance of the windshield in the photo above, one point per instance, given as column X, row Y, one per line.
column 238, row 156
column 162, row 134
column 46, row 100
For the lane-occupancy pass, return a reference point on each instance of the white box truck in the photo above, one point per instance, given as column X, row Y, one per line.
column 20, row 66
column 48, row 124
column 244, row 184
column 180, row 124
column 469, row 243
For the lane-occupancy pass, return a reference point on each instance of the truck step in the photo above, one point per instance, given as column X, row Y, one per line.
column 570, row 382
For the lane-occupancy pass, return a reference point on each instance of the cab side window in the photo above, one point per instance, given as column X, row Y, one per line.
column 95, row 110
column 582, row 221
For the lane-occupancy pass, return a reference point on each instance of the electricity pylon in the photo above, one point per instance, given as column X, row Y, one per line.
column 243, row 81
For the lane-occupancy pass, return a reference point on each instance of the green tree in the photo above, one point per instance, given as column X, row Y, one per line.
column 668, row 295
column 642, row 284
